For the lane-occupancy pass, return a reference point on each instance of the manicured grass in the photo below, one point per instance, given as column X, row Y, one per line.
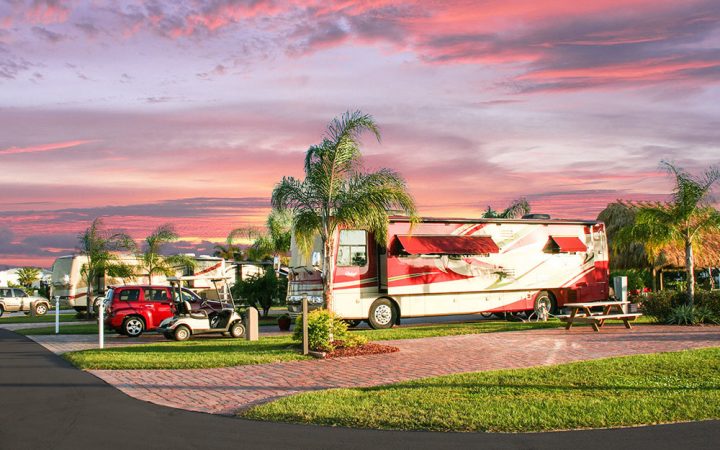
column 634, row 390
column 193, row 354
column 49, row 317
column 452, row 329
column 86, row 328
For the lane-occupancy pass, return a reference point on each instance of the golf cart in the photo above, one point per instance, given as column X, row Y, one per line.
column 217, row 317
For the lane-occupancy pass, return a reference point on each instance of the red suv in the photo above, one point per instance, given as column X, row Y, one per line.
column 131, row 310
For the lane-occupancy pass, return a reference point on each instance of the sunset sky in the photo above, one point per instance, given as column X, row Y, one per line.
column 189, row 112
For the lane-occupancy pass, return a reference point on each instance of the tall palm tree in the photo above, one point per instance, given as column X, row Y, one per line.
column 151, row 262
column 682, row 221
column 337, row 192
column 517, row 208
column 99, row 247
column 27, row 276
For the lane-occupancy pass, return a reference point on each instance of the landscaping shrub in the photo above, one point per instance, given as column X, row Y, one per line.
column 659, row 305
column 691, row 315
column 261, row 290
column 709, row 299
column 324, row 328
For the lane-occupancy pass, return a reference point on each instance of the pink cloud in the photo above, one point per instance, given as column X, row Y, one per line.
column 47, row 12
column 43, row 147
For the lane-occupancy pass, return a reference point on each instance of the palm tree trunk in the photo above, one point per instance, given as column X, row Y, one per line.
column 662, row 280
column 654, row 279
column 690, row 267
column 329, row 269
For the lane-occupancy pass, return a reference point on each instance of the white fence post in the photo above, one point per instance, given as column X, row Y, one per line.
column 57, row 314
column 101, row 324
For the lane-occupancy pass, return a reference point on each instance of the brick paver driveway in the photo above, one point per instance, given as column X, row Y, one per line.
column 226, row 390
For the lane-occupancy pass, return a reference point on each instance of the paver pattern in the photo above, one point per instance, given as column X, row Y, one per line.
column 24, row 326
column 227, row 390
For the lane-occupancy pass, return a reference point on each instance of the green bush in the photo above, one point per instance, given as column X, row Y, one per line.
column 682, row 315
column 709, row 299
column 324, row 329
column 659, row 305
column 691, row 315
column 261, row 290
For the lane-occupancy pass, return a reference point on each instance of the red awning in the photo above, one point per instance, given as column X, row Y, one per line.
column 569, row 244
column 447, row 245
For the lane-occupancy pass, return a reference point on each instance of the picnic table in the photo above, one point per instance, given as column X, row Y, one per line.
column 612, row 310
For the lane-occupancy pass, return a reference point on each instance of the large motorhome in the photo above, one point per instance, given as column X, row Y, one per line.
column 443, row 266
column 69, row 284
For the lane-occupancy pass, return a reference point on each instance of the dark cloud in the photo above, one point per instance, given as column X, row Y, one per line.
column 48, row 35
column 89, row 29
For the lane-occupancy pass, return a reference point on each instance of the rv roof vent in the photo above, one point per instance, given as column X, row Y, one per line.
column 537, row 216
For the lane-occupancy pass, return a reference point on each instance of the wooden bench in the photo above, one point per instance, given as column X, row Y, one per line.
column 582, row 313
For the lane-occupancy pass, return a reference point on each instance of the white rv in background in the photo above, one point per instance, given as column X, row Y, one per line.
column 69, row 284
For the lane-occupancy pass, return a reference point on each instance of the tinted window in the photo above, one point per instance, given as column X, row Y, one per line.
column 5, row 293
column 19, row 293
column 352, row 249
column 129, row 295
column 155, row 295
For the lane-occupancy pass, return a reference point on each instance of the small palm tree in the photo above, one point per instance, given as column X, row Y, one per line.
column 151, row 262
column 99, row 247
column 337, row 192
column 517, row 208
column 27, row 276
column 682, row 221
column 273, row 240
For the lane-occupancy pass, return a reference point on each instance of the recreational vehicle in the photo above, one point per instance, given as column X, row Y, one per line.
column 69, row 284
column 445, row 266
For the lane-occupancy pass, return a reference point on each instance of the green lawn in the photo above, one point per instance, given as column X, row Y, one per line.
column 193, row 354
column 634, row 390
column 49, row 317
column 86, row 328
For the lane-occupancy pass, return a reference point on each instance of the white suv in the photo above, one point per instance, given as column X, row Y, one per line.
column 14, row 299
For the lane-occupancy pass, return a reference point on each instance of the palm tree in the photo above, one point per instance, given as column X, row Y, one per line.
column 682, row 221
column 98, row 246
column 337, row 192
column 517, row 208
column 27, row 276
column 151, row 262
column 272, row 241
column 230, row 250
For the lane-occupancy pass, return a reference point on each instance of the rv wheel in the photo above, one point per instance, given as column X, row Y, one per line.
column 382, row 314
column 237, row 330
column 547, row 300
column 182, row 333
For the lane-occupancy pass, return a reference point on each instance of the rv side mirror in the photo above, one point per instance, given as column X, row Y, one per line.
column 316, row 260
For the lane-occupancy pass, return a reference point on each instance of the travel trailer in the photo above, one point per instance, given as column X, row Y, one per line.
column 70, row 285
column 449, row 266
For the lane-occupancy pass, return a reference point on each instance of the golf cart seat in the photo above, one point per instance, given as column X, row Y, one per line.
column 201, row 314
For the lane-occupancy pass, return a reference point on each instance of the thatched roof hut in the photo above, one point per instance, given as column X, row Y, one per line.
column 622, row 213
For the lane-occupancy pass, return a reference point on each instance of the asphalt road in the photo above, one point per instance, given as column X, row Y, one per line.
column 45, row 403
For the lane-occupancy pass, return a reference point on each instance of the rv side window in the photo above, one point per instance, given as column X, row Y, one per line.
column 352, row 250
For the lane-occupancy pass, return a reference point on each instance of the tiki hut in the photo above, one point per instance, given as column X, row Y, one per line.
column 671, row 257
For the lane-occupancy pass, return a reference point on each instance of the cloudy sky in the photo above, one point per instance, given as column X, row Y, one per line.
column 145, row 112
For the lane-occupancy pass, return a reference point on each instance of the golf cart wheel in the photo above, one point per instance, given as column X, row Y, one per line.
column 133, row 326
column 40, row 309
column 382, row 314
column 182, row 333
column 237, row 330
column 546, row 300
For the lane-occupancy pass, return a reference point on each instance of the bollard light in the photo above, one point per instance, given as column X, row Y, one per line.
column 101, row 325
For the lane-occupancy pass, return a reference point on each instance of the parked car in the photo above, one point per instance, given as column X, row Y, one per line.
column 14, row 299
column 132, row 310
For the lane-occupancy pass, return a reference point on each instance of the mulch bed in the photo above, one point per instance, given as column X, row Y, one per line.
column 366, row 349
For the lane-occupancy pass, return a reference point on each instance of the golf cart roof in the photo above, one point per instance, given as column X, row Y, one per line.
column 196, row 277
